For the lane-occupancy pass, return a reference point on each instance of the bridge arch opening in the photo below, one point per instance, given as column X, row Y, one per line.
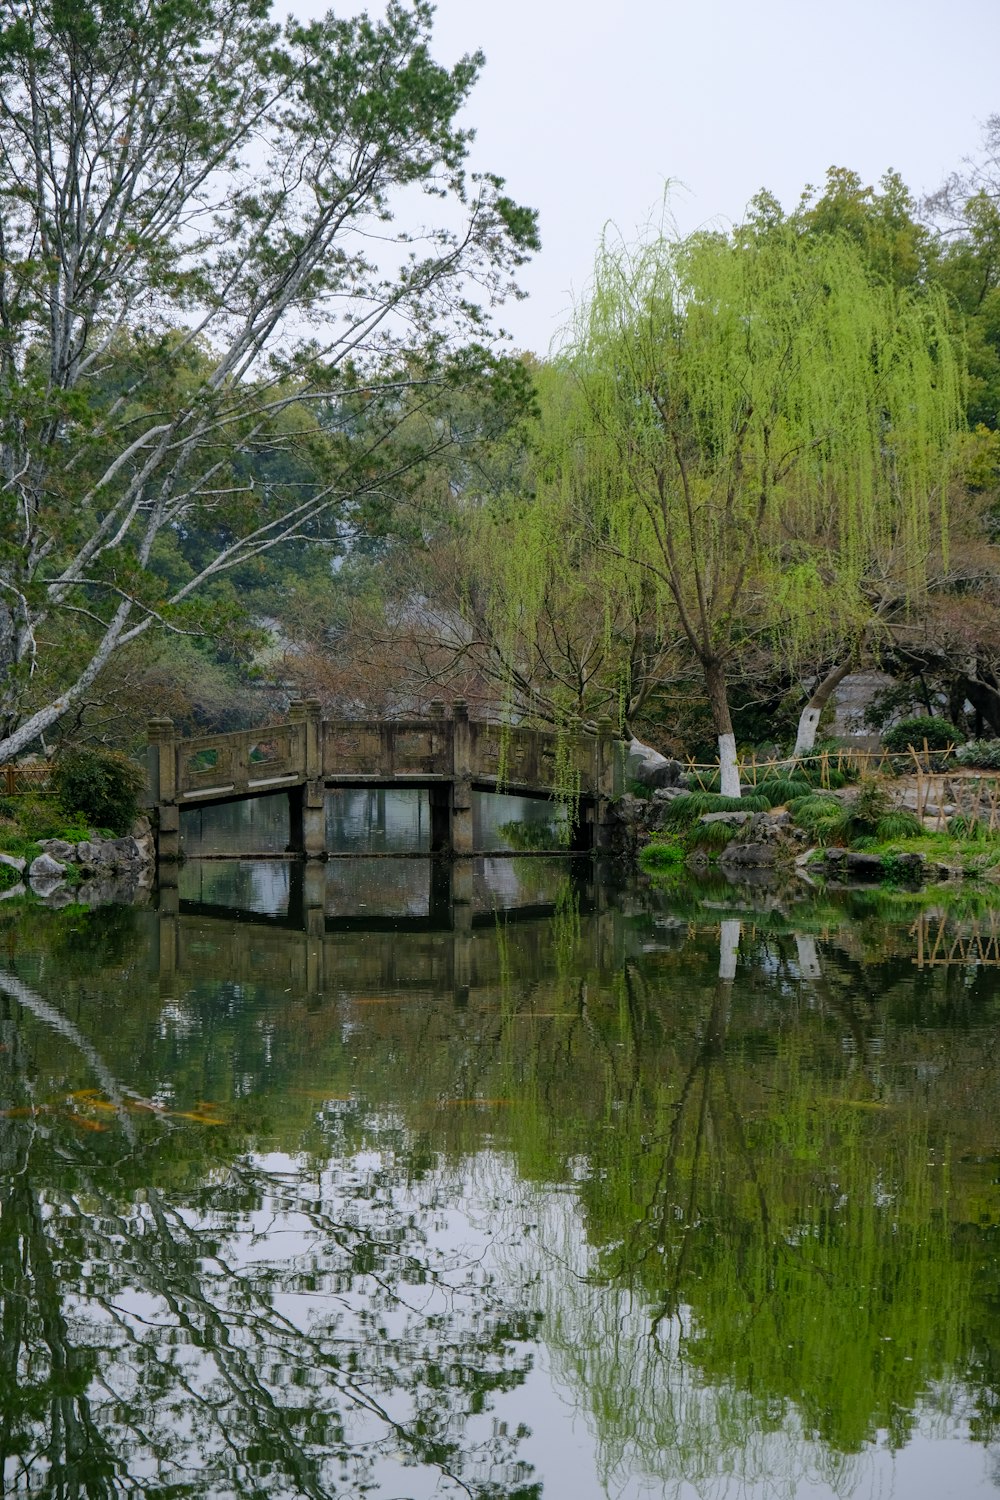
column 370, row 820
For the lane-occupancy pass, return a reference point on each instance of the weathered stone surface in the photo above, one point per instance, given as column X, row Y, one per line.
column 112, row 854
column 60, row 849
column 750, row 855
column 650, row 768
column 730, row 819
column 14, row 862
column 45, row 869
column 762, row 843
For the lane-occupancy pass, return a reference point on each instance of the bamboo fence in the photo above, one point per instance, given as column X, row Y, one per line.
column 17, row 780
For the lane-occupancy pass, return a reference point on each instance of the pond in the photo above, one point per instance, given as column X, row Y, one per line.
column 514, row 1178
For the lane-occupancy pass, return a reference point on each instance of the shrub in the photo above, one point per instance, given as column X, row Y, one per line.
column 102, row 785
column 872, row 805
column 911, row 733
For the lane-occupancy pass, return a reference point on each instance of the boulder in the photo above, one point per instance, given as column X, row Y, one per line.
column 648, row 767
column 101, row 855
column 59, row 849
column 729, row 819
column 750, row 855
column 14, row 862
column 45, row 870
column 762, row 842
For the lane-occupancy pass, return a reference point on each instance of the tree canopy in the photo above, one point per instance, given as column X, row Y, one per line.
column 753, row 411
column 220, row 241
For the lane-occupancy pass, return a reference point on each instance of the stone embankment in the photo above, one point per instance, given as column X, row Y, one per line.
column 95, row 871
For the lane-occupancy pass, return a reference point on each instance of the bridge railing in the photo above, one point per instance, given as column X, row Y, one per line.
column 239, row 762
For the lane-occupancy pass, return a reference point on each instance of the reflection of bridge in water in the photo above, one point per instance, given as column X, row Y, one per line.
column 448, row 757
column 452, row 947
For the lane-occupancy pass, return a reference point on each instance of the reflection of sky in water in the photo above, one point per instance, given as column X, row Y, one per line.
column 357, row 822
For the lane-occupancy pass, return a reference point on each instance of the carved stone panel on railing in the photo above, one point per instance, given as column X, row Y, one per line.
column 353, row 750
column 275, row 752
column 204, row 763
column 413, row 751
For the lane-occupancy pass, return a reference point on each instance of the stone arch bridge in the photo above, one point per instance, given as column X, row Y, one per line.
column 448, row 755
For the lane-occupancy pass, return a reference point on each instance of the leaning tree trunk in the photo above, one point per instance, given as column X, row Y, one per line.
column 809, row 719
column 718, row 700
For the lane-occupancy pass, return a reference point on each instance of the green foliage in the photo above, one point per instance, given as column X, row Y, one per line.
column 661, row 854
column 898, row 824
column 102, row 785
column 982, row 753
column 722, row 385
column 823, row 818
column 911, row 733
column 685, row 810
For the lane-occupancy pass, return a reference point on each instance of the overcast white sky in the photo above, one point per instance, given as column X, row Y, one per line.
column 588, row 108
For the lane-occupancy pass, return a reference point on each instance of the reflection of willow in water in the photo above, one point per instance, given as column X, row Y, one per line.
column 771, row 1276
column 270, row 1327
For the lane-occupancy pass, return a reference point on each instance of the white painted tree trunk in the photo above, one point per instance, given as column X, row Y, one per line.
column 805, row 738
column 729, row 771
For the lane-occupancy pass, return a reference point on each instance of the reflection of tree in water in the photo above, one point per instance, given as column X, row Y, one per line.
column 271, row 1330
column 773, row 1278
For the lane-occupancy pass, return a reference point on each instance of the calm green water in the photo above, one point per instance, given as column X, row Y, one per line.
column 504, row 1183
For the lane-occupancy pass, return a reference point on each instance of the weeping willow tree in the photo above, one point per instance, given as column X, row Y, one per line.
column 755, row 423
column 553, row 628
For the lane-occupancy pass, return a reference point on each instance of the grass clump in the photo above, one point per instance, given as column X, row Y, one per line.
column 822, row 818
column 781, row 789
column 682, row 811
column 662, row 854
column 898, row 824
column 710, row 836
